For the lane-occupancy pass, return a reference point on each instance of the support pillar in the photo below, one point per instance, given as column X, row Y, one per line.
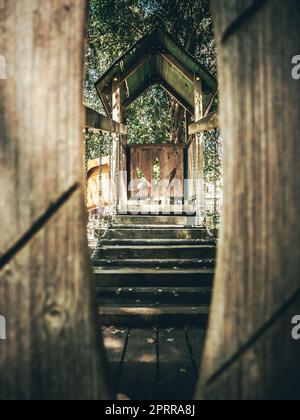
column 116, row 149
column 200, row 202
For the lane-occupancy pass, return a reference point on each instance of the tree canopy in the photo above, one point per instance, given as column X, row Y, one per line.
column 115, row 25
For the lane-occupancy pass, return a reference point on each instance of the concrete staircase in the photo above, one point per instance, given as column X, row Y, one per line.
column 155, row 270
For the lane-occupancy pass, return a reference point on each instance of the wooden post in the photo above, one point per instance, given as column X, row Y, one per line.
column 116, row 152
column 53, row 347
column 200, row 203
column 250, row 352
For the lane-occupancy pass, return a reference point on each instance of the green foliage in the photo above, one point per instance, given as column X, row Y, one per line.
column 115, row 25
column 213, row 157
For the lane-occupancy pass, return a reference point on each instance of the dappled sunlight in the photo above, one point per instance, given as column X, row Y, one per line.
column 141, row 311
column 147, row 358
column 113, row 344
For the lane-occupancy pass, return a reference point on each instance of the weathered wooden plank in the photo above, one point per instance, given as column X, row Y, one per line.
column 139, row 376
column 53, row 349
column 40, row 94
column 259, row 249
column 208, row 123
column 196, row 340
column 115, row 342
column 99, row 122
column 52, row 346
column 176, row 370
column 237, row 13
column 263, row 368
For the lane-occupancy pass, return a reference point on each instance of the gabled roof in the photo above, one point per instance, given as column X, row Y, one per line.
column 156, row 58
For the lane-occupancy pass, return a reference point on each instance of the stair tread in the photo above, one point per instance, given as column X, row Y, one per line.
column 154, row 290
column 154, row 242
column 130, row 270
column 159, row 247
column 152, row 309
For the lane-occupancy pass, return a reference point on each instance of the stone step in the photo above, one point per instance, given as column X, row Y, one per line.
column 130, row 277
column 153, row 315
column 157, row 251
column 155, row 220
column 156, row 232
column 148, row 295
column 155, row 242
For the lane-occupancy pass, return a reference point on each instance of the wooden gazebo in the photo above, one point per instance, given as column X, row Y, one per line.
column 53, row 349
column 158, row 59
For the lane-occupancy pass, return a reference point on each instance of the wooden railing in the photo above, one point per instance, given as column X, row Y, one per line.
column 109, row 137
column 97, row 121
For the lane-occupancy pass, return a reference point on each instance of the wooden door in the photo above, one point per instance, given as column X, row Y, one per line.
column 156, row 171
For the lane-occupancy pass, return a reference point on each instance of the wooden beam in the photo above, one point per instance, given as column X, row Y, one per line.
column 125, row 74
column 165, row 85
column 134, row 96
column 105, row 102
column 99, row 122
column 208, row 123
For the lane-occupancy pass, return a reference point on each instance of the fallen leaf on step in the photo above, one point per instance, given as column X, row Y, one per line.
column 150, row 341
column 170, row 340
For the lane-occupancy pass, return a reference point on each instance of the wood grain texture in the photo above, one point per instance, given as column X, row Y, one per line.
column 208, row 123
column 53, row 349
column 39, row 157
column 237, row 12
column 259, row 253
